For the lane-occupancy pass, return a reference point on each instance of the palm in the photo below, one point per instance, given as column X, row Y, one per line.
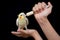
column 24, row 33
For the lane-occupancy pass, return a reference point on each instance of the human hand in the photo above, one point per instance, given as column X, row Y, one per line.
column 42, row 9
column 24, row 33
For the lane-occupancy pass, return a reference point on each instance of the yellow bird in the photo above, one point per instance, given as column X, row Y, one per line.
column 22, row 21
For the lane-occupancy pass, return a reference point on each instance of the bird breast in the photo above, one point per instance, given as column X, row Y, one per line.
column 22, row 22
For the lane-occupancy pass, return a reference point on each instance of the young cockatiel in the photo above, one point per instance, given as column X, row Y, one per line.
column 22, row 21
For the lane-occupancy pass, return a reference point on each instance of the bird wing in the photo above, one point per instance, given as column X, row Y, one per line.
column 27, row 22
column 17, row 21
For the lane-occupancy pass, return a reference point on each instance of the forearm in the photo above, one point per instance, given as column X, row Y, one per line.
column 36, row 36
column 48, row 30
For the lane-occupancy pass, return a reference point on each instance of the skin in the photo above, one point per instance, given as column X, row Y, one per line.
column 27, row 33
column 41, row 12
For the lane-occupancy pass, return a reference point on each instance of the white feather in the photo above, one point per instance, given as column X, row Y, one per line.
column 17, row 21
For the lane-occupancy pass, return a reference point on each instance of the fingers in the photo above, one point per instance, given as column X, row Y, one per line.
column 35, row 8
column 41, row 6
column 16, row 33
column 50, row 5
column 24, row 31
column 44, row 5
column 19, row 33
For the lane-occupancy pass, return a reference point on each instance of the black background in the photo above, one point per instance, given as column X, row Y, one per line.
column 15, row 7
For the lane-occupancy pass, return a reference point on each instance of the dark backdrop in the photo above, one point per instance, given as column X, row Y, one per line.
column 15, row 7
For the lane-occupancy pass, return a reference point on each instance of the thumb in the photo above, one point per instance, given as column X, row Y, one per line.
column 50, row 6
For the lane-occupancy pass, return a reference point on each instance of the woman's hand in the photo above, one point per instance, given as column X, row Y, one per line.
column 24, row 33
column 42, row 9
column 27, row 33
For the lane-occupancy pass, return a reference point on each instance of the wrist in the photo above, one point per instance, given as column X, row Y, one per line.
column 42, row 20
column 36, row 36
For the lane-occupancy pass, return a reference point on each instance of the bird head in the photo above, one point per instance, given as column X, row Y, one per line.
column 21, row 16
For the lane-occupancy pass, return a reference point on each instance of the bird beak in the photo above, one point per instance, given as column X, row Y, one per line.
column 21, row 17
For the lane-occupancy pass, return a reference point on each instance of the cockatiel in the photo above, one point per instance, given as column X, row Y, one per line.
column 22, row 21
